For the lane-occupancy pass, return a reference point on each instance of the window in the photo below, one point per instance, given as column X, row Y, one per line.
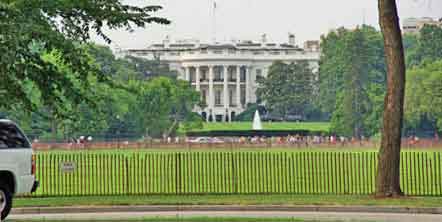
column 218, row 98
column 203, row 77
column 204, row 97
column 232, row 77
column 218, row 52
column 243, row 75
column 259, row 75
column 243, row 96
column 219, row 76
column 231, row 98
column 11, row 137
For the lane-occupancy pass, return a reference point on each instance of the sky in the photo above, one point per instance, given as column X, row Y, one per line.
column 249, row 19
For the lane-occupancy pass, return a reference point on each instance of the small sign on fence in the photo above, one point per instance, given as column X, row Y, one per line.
column 68, row 167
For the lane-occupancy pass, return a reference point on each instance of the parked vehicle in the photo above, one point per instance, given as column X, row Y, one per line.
column 17, row 165
column 205, row 140
column 294, row 118
column 272, row 117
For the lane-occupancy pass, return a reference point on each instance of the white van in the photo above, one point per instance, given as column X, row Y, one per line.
column 17, row 165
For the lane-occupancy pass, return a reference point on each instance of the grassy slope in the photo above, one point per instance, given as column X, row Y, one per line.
column 313, row 126
column 340, row 200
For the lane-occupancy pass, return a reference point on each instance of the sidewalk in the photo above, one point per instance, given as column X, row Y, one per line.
column 311, row 213
column 224, row 208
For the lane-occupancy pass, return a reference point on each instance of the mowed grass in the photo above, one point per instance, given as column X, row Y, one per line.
column 187, row 219
column 236, row 126
column 275, row 199
column 109, row 173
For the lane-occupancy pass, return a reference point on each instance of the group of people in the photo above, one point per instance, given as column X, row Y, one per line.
column 300, row 140
column 81, row 140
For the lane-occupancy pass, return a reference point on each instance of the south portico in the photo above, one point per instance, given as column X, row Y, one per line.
column 225, row 88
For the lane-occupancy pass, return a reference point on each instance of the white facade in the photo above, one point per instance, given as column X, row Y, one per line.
column 414, row 25
column 226, row 74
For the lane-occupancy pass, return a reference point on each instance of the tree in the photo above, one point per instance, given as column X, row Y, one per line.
column 388, row 176
column 423, row 97
column 32, row 28
column 331, row 65
column 352, row 80
column 163, row 104
column 425, row 47
column 288, row 88
column 430, row 43
column 353, row 102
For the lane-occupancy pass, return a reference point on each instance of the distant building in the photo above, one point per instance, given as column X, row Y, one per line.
column 414, row 25
column 226, row 73
column 312, row 46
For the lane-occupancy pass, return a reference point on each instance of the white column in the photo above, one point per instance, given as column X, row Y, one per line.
column 248, row 75
column 226, row 87
column 197, row 75
column 187, row 72
column 211, row 93
column 226, row 91
column 238, row 86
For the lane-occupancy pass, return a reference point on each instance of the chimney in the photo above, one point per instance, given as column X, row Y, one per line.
column 166, row 41
column 264, row 38
column 292, row 39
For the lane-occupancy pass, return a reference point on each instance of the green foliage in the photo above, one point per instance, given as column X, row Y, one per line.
column 249, row 113
column 134, row 105
column 288, row 88
column 352, row 80
column 30, row 29
column 164, row 103
column 423, row 99
column 425, row 47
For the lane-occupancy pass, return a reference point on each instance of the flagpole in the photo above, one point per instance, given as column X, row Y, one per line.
column 214, row 21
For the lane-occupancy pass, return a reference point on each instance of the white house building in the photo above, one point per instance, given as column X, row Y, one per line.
column 226, row 74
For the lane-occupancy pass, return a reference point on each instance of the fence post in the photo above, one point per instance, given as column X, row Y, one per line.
column 234, row 175
column 127, row 175
column 178, row 172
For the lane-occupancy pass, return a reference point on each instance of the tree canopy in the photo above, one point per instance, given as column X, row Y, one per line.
column 140, row 106
column 423, row 99
column 288, row 88
column 352, row 80
column 30, row 30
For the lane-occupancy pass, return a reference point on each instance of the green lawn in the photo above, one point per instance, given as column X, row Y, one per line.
column 312, row 126
column 283, row 199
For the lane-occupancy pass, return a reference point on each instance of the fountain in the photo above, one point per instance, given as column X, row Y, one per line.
column 257, row 125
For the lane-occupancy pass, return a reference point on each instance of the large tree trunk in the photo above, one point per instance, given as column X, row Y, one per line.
column 387, row 184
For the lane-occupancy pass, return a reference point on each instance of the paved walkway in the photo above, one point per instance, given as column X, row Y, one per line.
column 321, row 216
column 378, row 214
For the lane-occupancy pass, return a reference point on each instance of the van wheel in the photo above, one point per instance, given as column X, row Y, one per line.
column 5, row 201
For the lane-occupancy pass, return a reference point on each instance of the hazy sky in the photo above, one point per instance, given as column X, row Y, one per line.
column 248, row 19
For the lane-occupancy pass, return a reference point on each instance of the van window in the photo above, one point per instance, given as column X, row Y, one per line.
column 11, row 137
